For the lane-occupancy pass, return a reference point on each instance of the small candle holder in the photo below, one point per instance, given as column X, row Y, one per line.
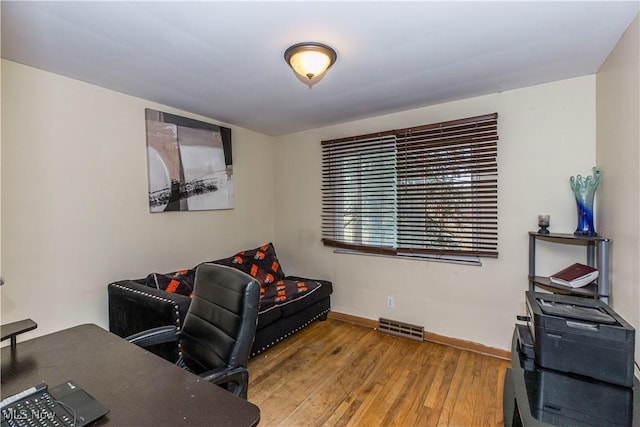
column 543, row 223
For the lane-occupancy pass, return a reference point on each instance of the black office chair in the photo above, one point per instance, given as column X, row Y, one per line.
column 219, row 328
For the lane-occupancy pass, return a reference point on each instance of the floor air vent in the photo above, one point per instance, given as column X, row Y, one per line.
column 400, row 329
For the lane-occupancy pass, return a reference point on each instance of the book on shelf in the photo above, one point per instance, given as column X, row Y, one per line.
column 575, row 276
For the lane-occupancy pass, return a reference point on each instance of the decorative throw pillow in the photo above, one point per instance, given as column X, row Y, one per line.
column 261, row 263
column 179, row 282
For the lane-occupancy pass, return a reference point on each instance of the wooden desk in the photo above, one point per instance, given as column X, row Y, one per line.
column 138, row 387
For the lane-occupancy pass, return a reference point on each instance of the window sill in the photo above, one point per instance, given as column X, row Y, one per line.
column 452, row 259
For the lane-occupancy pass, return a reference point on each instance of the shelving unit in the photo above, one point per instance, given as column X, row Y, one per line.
column 597, row 249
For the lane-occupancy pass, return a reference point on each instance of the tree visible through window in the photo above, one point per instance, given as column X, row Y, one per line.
column 425, row 190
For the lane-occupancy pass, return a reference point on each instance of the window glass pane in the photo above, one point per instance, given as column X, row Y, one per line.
column 359, row 193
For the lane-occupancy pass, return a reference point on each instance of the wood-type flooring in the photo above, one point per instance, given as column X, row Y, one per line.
column 335, row 373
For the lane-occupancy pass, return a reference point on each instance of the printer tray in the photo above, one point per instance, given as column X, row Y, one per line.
column 563, row 399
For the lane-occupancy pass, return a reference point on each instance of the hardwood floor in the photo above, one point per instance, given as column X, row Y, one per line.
column 339, row 374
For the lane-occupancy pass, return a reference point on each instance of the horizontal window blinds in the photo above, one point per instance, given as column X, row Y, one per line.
column 359, row 194
column 425, row 190
column 447, row 188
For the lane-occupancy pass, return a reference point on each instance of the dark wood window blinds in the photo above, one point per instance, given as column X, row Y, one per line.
column 430, row 189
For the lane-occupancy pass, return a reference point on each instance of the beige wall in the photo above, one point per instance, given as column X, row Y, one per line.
column 618, row 154
column 75, row 215
column 547, row 133
column 0, row 169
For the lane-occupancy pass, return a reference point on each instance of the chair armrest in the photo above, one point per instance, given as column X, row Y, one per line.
column 161, row 335
column 235, row 380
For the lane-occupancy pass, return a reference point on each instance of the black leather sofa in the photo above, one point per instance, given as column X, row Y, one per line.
column 287, row 304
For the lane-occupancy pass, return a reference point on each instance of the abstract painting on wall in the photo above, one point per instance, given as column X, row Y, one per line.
column 190, row 164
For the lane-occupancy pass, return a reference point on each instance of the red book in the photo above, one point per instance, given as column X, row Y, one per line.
column 575, row 276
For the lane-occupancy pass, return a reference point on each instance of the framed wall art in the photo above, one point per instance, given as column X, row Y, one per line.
column 190, row 164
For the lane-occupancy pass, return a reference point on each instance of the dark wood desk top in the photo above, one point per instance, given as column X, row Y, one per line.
column 138, row 387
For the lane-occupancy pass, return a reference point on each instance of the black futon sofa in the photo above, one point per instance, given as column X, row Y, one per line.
column 287, row 303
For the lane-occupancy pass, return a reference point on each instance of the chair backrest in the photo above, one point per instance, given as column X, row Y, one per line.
column 220, row 324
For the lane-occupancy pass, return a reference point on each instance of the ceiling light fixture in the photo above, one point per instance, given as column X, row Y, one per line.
column 310, row 60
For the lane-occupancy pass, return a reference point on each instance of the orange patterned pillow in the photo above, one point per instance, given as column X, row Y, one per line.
column 261, row 263
column 178, row 282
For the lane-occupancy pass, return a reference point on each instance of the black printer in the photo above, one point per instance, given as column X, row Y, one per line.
column 565, row 399
column 579, row 336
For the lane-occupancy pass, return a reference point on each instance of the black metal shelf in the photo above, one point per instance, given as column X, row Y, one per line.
column 590, row 290
column 597, row 256
column 567, row 236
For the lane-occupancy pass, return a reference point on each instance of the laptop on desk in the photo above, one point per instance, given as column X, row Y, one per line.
column 66, row 404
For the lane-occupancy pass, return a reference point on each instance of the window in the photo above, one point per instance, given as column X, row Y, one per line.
column 428, row 190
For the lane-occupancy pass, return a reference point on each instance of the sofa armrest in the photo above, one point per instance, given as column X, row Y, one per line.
column 326, row 283
column 135, row 307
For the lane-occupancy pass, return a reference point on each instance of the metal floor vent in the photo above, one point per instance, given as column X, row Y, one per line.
column 401, row 329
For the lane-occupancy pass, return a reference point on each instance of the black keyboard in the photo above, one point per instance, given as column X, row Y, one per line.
column 66, row 405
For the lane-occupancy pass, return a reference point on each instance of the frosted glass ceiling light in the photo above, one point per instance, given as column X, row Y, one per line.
column 310, row 60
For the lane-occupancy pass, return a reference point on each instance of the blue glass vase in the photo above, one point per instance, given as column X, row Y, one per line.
column 585, row 189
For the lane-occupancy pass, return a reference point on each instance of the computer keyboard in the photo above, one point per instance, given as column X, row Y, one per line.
column 66, row 405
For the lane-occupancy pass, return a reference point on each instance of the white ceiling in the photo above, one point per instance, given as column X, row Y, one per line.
column 224, row 60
